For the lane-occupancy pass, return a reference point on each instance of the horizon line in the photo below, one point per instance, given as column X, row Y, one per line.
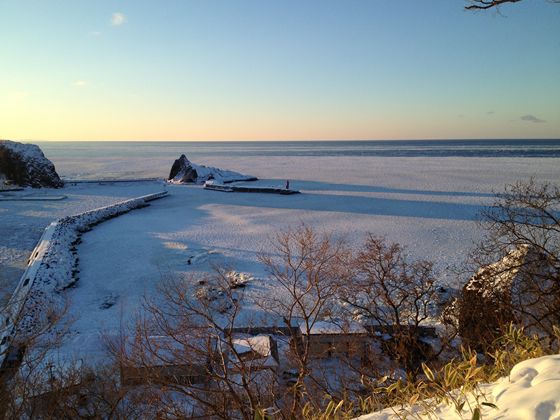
column 287, row 140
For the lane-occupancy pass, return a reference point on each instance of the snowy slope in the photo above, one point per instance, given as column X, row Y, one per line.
column 531, row 392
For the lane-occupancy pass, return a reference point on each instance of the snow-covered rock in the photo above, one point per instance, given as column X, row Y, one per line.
column 26, row 165
column 485, row 301
column 531, row 391
column 518, row 288
column 184, row 171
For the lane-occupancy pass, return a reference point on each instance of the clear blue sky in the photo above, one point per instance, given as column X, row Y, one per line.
column 259, row 69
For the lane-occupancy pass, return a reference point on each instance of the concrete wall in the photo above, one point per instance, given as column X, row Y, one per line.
column 53, row 267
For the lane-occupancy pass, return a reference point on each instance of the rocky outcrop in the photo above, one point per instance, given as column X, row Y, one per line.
column 184, row 171
column 26, row 165
column 484, row 305
column 522, row 288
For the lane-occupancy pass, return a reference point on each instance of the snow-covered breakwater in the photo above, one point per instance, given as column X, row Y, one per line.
column 211, row 185
column 53, row 267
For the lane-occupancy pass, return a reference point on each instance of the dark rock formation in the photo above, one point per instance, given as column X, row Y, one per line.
column 26, row 165
column 184, row 171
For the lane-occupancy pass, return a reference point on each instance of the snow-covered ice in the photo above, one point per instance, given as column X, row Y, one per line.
column 25, row 214
column 427, row 204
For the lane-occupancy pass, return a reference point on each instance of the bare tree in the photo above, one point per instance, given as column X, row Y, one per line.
column 68, row 390
column 394, row 297
column 23, row 359
column 184, row 353
column 489, row 4
column 520, row 258
column 36, row 383
column 306, row 270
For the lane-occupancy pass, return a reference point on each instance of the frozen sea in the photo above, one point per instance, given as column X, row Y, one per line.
column 151, row 159
column 424, row 195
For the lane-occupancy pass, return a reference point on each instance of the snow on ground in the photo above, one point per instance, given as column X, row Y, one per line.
column 126, row 258
column 531, row 392
column 427, row 204
column 25, row 214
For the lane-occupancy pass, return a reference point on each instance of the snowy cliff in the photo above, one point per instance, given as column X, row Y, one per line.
column 184, row 171
column 26, row 165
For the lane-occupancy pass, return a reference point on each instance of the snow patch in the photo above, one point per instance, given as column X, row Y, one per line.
column 532, row 391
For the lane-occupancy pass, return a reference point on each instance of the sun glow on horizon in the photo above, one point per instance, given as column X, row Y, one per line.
column 290, row 71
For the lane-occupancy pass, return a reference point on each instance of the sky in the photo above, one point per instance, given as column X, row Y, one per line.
column 277, row 70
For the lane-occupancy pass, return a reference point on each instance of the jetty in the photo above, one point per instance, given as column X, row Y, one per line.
column 214, row 186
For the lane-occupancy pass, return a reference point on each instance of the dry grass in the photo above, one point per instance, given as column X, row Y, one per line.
column 457, row 383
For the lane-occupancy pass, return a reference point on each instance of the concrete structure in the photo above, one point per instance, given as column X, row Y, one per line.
column 261, row 349
column 52, row 268
column 329, row 339
column 161, row 359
